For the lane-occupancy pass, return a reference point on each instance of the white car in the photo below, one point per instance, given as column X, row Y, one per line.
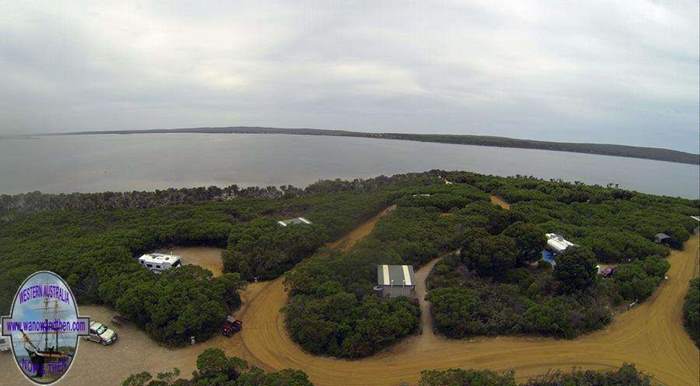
column 99, row 333
column 4, row 344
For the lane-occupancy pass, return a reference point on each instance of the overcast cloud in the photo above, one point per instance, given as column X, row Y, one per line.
column 594, row 71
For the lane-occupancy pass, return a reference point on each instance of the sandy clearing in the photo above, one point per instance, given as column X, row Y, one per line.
column 136, row 352
column 499, row 201
column 650, row 335
column 205, row 257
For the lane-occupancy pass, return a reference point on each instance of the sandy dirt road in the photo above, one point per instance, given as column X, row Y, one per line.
column 359, row 233
column 499, row 201
column 133, row 353
column 136, row 352
column 426, row 320
column 650, row 335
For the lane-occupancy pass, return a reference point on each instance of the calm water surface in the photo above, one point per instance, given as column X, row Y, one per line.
column 157, row 161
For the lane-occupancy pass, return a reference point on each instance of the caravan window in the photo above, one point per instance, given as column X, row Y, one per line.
column 177, row 264
column 149, row 265
column 157, row 266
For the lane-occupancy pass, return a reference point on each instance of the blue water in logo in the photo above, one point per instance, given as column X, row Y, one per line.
column 44, row 327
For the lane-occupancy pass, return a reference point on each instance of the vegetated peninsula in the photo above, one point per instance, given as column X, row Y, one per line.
column 354, row 267
column 652, row 153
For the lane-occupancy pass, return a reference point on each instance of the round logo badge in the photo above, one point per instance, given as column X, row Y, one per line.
column 43, row 328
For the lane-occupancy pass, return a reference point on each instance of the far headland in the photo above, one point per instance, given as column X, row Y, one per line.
column 652, row 153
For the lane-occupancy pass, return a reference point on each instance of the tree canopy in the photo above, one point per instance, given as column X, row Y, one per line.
column 627, row 375
column 490, row 255
column 214, row 368
column 576, row 269
column 494, row 286
column 691, row 310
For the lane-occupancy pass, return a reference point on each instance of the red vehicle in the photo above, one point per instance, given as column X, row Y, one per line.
column 231, row 326
column 607, row 272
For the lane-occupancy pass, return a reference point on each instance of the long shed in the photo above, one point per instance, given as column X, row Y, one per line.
column 395, row 280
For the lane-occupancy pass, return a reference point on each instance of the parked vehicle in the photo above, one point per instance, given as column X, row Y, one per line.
column 4, row 344
column 607, row 272
column 231, row 326
column 100, row 333
column 159, row 262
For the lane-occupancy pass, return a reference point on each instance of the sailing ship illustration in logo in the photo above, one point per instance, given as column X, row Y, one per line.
column 44, row 327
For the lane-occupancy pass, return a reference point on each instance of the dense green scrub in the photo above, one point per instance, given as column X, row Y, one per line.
column 262, row 249
column 489, row 288
column 494, row 285
column 627, row 375
column 333, row 309
column 95, row 251
column 215, row 368
column 691, row 311
column 530, row 300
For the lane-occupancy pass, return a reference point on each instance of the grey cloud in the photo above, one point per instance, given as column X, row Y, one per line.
column 620, row 71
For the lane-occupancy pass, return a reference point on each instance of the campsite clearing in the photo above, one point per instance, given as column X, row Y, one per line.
column 205, row 257
column 650, row 335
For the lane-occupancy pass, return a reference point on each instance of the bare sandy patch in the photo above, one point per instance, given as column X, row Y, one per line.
column 650, row 335
column 205, row 257
column 500, row 202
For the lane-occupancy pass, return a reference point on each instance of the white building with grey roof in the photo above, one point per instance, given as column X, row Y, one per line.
column 395, row 280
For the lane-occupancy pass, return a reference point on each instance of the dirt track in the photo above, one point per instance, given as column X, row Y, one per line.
column 651, row 336
column 359, row 233
column 500, row 202
column 426, row 320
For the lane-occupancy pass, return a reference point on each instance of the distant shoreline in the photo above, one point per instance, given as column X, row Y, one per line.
column 652, row 153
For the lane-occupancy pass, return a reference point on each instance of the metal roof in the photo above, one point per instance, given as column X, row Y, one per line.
column 294, row 221
column 557, row 242
column 396, row 275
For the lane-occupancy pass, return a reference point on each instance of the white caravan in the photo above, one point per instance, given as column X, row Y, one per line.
column 159, row 262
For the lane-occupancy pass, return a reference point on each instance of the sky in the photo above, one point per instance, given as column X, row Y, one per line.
column 583, row 71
